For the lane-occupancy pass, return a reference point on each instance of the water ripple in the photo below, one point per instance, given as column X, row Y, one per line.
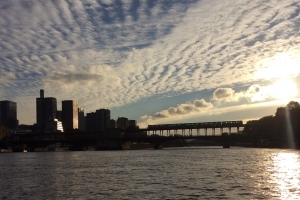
column 196, row 173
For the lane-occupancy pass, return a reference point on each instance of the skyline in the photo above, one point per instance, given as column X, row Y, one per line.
column 155, row 62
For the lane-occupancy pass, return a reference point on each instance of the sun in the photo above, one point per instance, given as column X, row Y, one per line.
column 282, row 65
column 283, row 89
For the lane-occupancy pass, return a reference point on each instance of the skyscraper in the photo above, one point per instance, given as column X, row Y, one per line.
column 122, row 122
column 112, row 124
column 69, row 115
column 90, row 122
column 103, row 119
column 81, row 120
column 8, row 114
column 59, row 115
column 45, row 110
column 98, row 121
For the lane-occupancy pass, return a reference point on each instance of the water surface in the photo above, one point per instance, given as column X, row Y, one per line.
column 179, row 173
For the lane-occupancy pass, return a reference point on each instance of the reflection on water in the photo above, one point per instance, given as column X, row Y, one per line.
column 285, row 174
column 178, row 173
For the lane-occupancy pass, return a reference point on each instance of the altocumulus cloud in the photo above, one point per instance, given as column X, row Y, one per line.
column 113, row 53
column 73, row 78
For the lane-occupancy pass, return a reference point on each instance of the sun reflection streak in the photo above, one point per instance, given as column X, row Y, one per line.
column 285, row 176
column 289, row 131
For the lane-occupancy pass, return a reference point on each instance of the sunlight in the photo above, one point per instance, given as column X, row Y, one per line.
column 286, row 174
column 283, row 89
column 282, row 65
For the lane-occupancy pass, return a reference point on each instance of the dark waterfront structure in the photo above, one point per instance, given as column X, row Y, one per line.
column 279, row 131
column 8, row 114
column 46, row 108
column 69, row 115
column 115, row 138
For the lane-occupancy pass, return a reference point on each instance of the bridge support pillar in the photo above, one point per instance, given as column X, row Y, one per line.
column 226, row 141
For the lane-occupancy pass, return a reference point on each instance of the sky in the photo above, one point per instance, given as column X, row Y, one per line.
column 158, row 62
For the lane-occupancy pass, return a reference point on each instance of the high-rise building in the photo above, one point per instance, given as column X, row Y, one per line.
column 90, row 122
column 132, row 123
column 53, row 126
column 122, row 122
column 46, row 108
column 69, row 115
column 8, row 114
column 103, row 119
column 81, row 119
column 98, row 121
column 59, row 115
column 112, row 123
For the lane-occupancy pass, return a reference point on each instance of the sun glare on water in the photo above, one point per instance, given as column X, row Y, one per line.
column 285, row 175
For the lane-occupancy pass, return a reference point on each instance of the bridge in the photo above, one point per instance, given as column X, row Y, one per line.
column 154, row 134
column 195, row 128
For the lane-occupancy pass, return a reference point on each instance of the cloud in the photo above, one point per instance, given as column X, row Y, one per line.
column 285, row 88
column 253, row 94
column 226, row 94
column 182, row 110
column 114, row 53
column 257, row 93
column 71, row 78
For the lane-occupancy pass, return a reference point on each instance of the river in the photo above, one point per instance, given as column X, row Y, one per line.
column 178, row 173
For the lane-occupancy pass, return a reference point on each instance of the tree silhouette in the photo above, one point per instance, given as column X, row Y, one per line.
column 281, row 130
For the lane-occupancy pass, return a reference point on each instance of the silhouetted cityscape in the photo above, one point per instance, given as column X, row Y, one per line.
column 70, row 118
column 70, row 128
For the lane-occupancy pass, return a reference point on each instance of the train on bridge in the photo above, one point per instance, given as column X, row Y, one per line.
column 198, row 125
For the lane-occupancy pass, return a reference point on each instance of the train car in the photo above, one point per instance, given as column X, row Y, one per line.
column 232, row 123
